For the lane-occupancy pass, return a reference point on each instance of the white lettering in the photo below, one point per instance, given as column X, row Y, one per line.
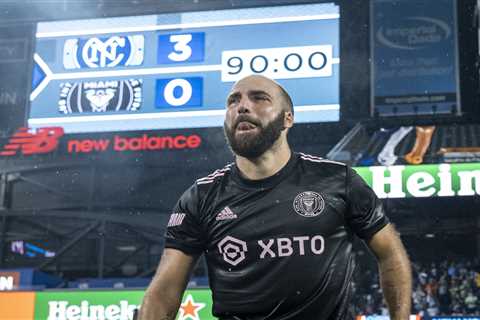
column 57, row 310
column 467, row 181
column 448, row 180
column 301, row 243
column 131, row 309
column 284, row 247
column 124, row 310
column 100, row 84
column 60, row 310
column 97, row 312
column 322, row 245
column 6, row 283
column 395, row 181
column 84, row 307
column 8, row 98
column 266, row 248
column 445, row 176
column 419, row 181
column 112, row 312
column 73, row 313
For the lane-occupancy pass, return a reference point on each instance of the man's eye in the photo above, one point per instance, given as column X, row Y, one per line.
column 232, row 100
column 260, row 98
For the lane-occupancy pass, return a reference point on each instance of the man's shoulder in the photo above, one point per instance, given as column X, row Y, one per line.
column 319, row 162
column 213, row 177
column 321, row 168
column 205, row 185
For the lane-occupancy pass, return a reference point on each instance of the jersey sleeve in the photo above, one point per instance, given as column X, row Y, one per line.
column 184, row 231
column 365, row 214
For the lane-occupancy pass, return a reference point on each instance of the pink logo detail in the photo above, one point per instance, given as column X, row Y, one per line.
column 233, row 250
column 226, row 214
column 285, row 247
column 176, row 219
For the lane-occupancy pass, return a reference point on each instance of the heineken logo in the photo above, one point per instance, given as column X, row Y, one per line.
column 63, row 310
column 438, row 180
column 112, row 305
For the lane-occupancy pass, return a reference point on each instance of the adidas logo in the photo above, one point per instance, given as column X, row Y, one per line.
column 226, row 214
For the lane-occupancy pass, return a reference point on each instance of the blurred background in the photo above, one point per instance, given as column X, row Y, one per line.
column 109, row 110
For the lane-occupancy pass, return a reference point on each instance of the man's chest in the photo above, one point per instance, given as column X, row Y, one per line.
column 278, row 221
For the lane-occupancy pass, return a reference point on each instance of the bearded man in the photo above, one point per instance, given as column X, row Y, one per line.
column 276, row 227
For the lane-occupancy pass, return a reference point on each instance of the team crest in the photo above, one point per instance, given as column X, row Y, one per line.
column 100, row 96
column 309, row 204
column 105, row 52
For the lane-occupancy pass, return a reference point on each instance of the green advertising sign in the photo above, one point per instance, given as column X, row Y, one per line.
column 432, row 180
column 113, row 305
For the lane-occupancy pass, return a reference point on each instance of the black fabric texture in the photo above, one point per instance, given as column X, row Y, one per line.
column 279, row 248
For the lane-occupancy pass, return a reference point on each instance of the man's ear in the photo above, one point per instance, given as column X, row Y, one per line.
column 288, row 119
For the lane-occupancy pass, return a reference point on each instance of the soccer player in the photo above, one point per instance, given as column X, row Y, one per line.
column 276, row 227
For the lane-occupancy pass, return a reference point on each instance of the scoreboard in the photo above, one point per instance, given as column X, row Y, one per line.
column 175, row 70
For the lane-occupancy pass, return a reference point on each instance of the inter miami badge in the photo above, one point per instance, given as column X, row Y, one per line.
column 100, row 96
column 309, row 204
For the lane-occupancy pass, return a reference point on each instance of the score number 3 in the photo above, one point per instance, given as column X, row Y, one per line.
column 176, row 48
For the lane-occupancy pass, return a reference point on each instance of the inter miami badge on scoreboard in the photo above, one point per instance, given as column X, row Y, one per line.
column 100, row 96
column 105, row 52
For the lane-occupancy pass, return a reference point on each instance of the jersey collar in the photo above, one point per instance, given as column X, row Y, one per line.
column 269, row 181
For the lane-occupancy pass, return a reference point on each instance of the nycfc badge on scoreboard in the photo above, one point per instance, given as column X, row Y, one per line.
column 104, row 52
column 309, row 204
column 100, row 96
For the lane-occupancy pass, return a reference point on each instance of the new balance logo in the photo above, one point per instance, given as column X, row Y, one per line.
column 176, row 219
column 226, row 214
column 44, row 140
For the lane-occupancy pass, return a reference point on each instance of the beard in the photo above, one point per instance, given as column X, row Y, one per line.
column 252, row 146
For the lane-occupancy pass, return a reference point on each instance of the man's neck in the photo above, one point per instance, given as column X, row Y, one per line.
column 266, row 165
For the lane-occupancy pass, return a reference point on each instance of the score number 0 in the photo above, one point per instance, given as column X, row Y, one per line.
column 179, row 92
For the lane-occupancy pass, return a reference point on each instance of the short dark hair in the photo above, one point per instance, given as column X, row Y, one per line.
column 287, row 100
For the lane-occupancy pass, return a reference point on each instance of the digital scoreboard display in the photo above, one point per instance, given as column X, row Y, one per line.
column 175, row 70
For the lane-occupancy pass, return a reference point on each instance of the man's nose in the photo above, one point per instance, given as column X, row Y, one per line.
column 244, row 106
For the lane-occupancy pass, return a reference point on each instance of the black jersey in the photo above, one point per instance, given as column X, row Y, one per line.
column 278, row 248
